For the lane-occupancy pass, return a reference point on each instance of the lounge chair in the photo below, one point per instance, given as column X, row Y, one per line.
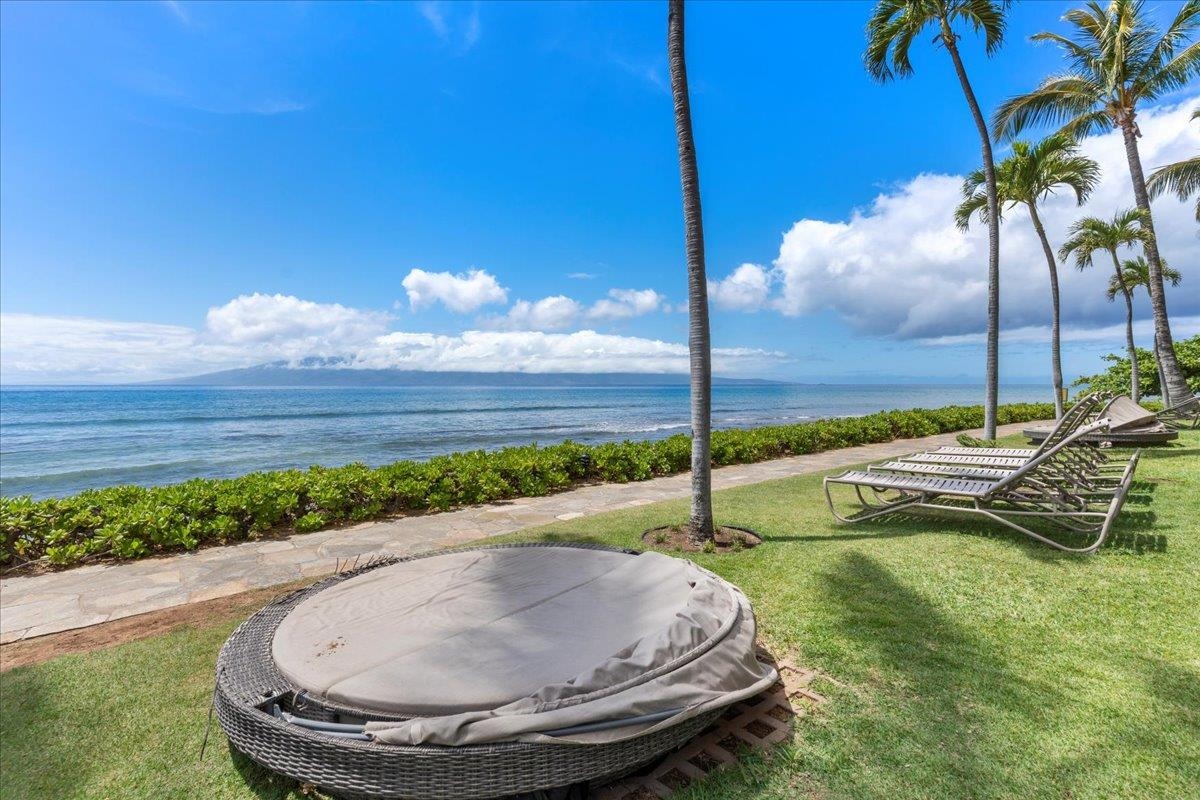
column 1036, row 490
column 1182, row 415
column 1088, row 467
column 1078, row 414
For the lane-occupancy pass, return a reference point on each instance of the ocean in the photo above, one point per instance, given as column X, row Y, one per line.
column 58, row 441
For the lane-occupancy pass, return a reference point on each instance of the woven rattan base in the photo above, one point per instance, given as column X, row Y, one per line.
column 248, row 685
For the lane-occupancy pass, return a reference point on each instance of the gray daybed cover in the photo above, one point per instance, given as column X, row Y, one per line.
column 1125, row 415
column 504, row 644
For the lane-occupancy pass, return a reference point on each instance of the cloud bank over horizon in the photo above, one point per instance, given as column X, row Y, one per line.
column 900, row 269
column 260, row 328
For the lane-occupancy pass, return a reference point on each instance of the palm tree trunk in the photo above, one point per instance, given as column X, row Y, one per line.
column 1135, row 381
column 1163, row 392
column 1175, row 386
column 1055, row 332
column 699, row 342
column 992, row 379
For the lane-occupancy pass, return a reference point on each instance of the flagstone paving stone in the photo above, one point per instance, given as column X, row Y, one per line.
column 40, row 604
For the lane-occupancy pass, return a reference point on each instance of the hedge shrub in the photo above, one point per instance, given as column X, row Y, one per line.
column 134, row 521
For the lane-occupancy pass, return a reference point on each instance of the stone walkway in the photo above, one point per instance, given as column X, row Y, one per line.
column 41, row 604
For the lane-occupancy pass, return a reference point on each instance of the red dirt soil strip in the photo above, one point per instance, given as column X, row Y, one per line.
column 143, row 626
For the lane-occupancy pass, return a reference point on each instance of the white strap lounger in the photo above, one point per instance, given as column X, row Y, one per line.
column 1036, row 491
column 1071, row 420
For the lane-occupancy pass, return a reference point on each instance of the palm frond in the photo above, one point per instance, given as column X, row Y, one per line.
column 1186, row 22
column 1088, row 124
column 1117, row 59
column 1090, row 235
column 1137, row 272
column 982, row 16
column 974, row 193
column 1178, row 73
column 895, row 24
column 1181, row 179
column 890, row 31
column 1058, row 101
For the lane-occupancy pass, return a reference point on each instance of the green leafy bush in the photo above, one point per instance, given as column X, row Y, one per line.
column 133, row 521
column 1116, row 378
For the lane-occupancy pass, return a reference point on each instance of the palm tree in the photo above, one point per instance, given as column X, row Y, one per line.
column 1090, row 235
column 1182, row 178
column 699, row 342
column 1135, row 272
column 1026, row 177
column 1118, row 60
column 890, row 33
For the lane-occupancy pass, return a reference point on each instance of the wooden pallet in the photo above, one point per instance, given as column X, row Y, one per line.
column 754, row 724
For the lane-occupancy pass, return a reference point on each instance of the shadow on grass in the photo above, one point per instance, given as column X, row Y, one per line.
column 1177, row 688
column 1132, row 530
column 939, row 686
column 35, row 708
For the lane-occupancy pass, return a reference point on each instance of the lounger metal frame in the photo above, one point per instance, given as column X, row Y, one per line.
column 1181, row 416
column 1036, row 490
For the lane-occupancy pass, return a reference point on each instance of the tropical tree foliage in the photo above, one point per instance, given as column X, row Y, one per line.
column 1091, row 235
column 700, row 526
column 1116, row 378
column 1028, row 176
column 1118, row 59
column 893, row 27
column 1181, row 179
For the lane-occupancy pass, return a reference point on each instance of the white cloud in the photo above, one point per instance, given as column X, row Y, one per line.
column 256, row 329
column 36, row 348
column 547, row 314
column 451, row 26
column 178, row 10
column 900, row 268
column 627, row 303
column 582, row 276
column 1111, row 335
column 534, row 351
column 461, row 293
column 745, row 289
column 652, row 70
column 274, row 318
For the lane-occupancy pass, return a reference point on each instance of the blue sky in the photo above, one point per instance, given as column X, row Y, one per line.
column 189, row 186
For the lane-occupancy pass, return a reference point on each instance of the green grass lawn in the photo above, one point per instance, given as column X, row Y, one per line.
column 969, row 662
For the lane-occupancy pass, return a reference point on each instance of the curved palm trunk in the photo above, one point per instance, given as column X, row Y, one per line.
column 992, row 379
column 699, row 344
column 1174, row 386
column 1163, row 392
column 1135, row 381
column 1055, row 332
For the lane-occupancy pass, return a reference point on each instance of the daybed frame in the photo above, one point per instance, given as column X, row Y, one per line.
column 250, row 692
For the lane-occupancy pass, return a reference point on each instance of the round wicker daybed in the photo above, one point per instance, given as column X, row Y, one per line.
column 487, row 672
column 1133, row 437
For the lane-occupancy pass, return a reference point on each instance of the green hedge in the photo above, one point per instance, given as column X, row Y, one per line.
column 133, row 521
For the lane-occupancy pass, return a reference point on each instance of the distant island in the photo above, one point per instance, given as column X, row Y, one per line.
column 282, row 374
